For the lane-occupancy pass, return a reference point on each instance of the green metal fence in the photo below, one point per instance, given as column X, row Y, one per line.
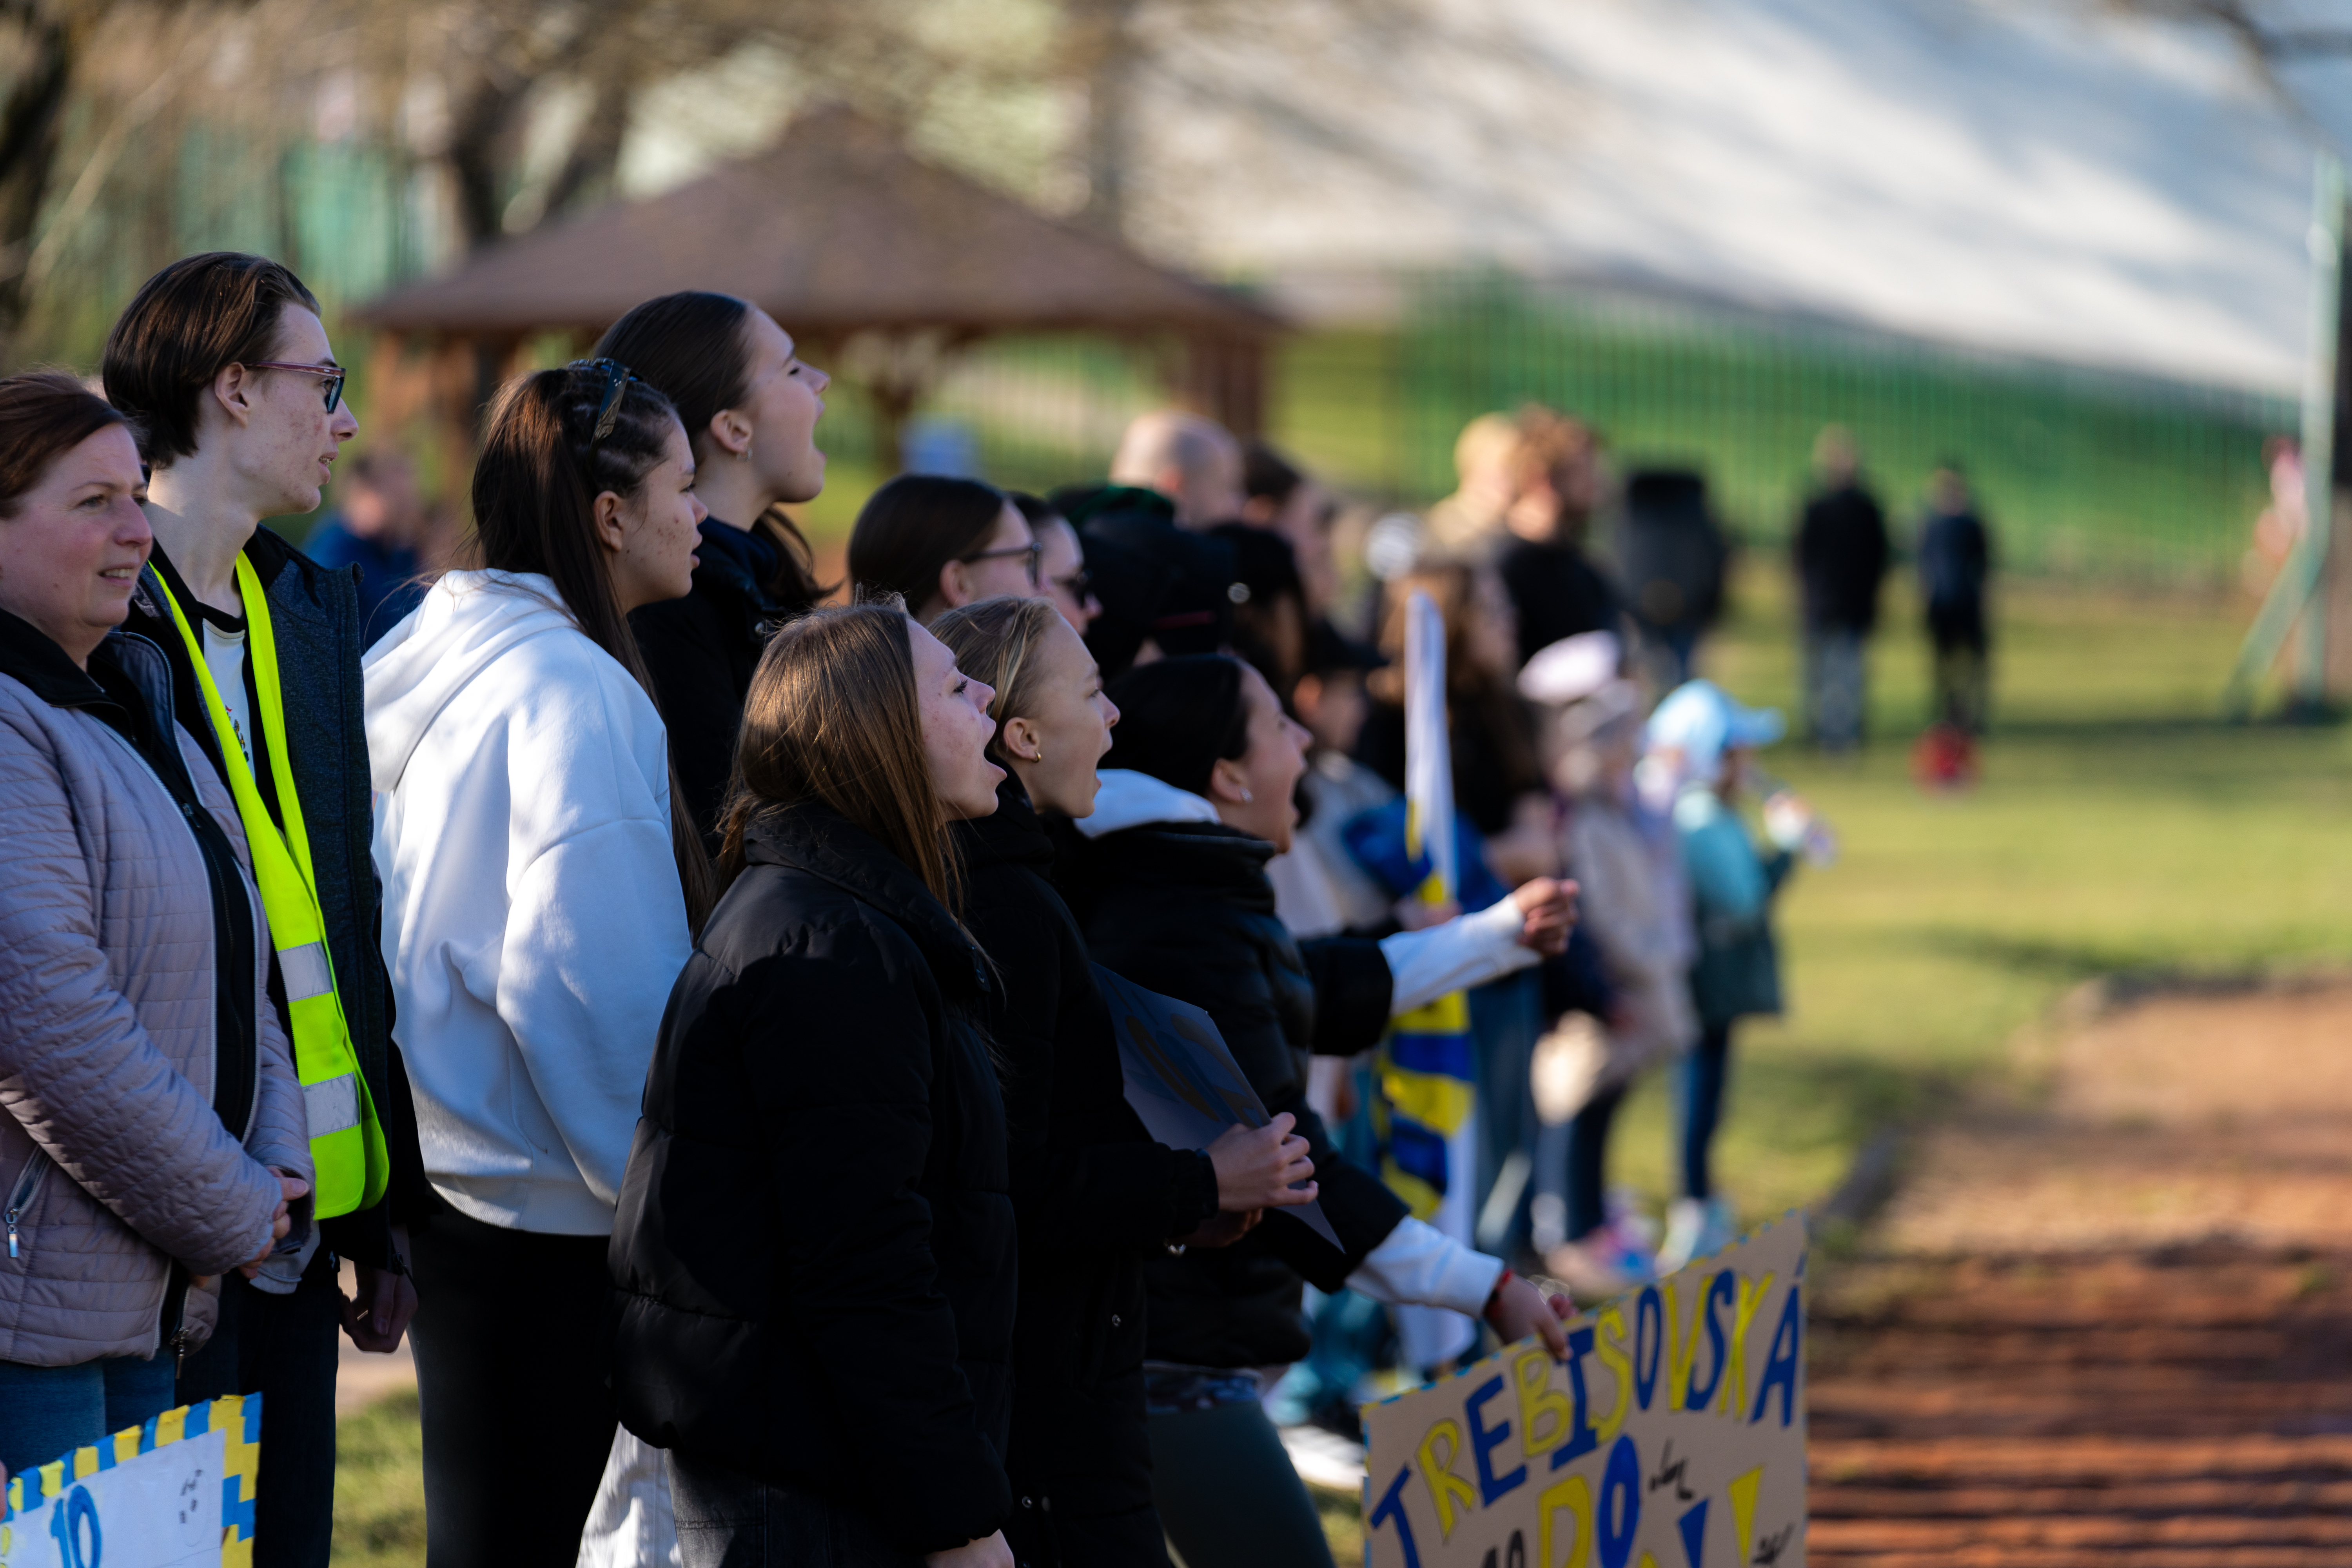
column 2081, row 472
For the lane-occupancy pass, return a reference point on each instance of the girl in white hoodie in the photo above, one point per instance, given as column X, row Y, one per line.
column 539, row 883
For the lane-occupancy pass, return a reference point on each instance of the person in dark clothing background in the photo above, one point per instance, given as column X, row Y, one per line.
column 1092, row 1192
column 1672, row 558
column 377, row 529
column 1841, row 556
column 749, row 406
column 1271, row 624
column 813, row 1257
column 1498, row 784
column 1164, row 590
column 1554, row 585
column 1955, row 564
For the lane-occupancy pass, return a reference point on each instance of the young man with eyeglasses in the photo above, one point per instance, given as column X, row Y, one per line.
column 224, row 360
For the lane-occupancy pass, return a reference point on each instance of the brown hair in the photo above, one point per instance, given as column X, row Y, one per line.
column 1551, row 443
column 535, row 489
column 912, row 527
column 44, row 415
column 185, row 325
column 993, row 641
column 832, row 716
column 1473, row 695
column 697, row 347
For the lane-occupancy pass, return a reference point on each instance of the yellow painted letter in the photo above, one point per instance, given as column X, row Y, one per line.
column 1539, row 1402
column 1572, row 1495
column 1734, row 1397
column 1446, row 1489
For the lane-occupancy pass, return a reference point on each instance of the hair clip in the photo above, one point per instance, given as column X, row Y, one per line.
column 617, row 377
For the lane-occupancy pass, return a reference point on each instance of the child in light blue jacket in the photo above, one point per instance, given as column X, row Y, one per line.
column 1698, row 743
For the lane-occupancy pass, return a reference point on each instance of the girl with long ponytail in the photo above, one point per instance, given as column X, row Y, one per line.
column 541, row 881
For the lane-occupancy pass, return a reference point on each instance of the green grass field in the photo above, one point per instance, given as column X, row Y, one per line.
column 2119, row 826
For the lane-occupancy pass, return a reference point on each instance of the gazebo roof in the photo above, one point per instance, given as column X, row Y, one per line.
column 835, row 229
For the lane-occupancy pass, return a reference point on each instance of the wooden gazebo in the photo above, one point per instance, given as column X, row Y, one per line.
column 842, row 235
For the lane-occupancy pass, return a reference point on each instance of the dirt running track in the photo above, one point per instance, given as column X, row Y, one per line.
column 2112, row 1326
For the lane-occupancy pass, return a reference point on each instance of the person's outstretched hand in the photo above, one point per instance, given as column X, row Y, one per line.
column 281, row 1223
column 1519, row 1309
column 1256, row 1166
column 378, row 1316
column 990, row 1553
column 1548, row 913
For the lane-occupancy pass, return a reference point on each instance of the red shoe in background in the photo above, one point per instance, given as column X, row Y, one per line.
column 1945, row 759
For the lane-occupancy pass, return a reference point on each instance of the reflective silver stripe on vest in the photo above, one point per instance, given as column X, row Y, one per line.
column 306, row 971
column 333, row 1105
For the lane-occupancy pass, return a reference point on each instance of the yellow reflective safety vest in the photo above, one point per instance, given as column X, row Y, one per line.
column 347, row 1146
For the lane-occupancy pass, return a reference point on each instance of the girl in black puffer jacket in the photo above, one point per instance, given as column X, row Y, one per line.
column 1092, row 1192
column 814, row 1253
column 1171, row 889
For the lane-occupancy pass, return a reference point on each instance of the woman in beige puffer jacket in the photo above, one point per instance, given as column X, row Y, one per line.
column 151, row 1104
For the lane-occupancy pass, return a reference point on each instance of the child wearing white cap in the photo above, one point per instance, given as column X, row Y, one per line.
column 1697, row 749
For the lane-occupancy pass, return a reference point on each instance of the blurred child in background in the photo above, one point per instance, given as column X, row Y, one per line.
column 1637, row 907
column 1697, row 761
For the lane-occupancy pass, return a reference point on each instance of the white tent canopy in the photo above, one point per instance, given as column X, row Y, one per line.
column 2052, row 180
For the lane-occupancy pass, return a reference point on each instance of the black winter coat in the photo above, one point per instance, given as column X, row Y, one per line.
column 1184, row 908
column 701, row 650
column 1841, row 555
column 1093, row 1193
column 814, row 1253
column 1557, row 592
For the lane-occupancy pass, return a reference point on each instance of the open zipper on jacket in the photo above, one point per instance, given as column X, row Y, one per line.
column 29, row 1187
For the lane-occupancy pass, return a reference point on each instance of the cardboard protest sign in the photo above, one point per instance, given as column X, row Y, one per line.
column 1672, row 1437
column 1181, row 1079
column 175, row 1493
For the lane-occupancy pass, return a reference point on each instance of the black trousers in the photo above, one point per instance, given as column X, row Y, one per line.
column 518, row 1421
column 729, row 1519
column 284, row 1349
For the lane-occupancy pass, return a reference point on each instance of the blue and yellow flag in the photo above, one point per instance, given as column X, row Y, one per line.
column 1428, row 1074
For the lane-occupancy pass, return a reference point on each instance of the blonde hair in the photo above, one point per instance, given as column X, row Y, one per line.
column 993, row 641
column 833, row 716
column 1489, row 441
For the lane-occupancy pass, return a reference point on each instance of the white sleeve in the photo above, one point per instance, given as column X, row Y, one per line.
column 1419, row 1265
column 1470, row 951
column 594, row 940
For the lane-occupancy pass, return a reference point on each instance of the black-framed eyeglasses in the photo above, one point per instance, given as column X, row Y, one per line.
column 617, row 377
column 334, row 373
column 1077, row 584
column 1036, row 552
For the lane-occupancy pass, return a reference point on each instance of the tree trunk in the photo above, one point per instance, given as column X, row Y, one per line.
column 28, row 152
column 1106, row 58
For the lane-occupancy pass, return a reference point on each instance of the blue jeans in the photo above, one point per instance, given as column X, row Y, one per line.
column 47, row 1411
column 1704, row 1072
column 1836, row 693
